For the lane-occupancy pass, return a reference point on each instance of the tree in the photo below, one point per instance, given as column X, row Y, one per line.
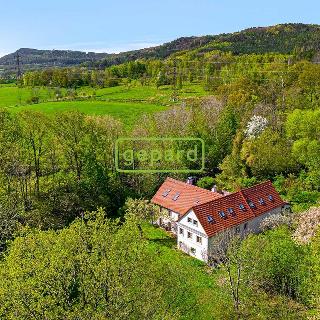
column 93, row 269
column 161, row 79
column 70, row 128
column 302, row 128
column 11, row 213
column 265, row 155
column 206, row 183
column 309, row 80
column 142, row 211
column 225, row 250
column 279, row 267
column 256, row 126
column 34, row 127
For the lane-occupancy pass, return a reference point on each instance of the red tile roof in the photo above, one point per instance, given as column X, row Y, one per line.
column 234, row 200
column 189, row 196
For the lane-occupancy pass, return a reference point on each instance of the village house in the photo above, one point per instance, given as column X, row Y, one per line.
column 176, row 198
column 197, row 215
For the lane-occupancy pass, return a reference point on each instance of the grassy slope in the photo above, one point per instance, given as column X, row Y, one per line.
column 204, row 285
column 127, row 103
column 211, row 290
column 127, row 112
column 162, row 94
column 10, row 94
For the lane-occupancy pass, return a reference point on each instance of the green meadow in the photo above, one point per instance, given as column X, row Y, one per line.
column 126, row 112
column 126, row 102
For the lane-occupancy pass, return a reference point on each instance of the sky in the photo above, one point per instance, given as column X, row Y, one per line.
column 121, row 25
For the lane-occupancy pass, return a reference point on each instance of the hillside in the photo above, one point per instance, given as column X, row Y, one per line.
column 37, row 59
column 280, row 38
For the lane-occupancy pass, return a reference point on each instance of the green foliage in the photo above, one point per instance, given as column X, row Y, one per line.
column 265, row 155
column 280, row 266
column 303, row 128
column 93, row 269
column 206, row 183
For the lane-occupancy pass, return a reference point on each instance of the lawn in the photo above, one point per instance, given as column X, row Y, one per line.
column 211, row 296
column 138, row 92
column 204, row 283
column 126, row 102
column 127, row 112
column 11, row 95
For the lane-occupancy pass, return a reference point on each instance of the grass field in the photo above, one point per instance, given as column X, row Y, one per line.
column 126, row 103
column 202, row 282
column 11, row 95
column 128, row 113
column 162, row 95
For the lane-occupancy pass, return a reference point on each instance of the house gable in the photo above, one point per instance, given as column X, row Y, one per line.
column 190, row 221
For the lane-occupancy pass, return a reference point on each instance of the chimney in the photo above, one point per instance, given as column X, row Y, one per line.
column 191, row 180
column 214, row 188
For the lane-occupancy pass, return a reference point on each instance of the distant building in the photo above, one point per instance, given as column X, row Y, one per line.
column 197, row 215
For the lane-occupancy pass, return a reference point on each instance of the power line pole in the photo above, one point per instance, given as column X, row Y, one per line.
column 18, row 67
column 175, row 94
column 19, row 76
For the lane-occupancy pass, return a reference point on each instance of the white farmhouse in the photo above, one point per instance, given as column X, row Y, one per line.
column 197, row 225
column 177, row 198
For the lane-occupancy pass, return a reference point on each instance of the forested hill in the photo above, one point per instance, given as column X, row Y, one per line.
column 49, row 58
column 283, row 38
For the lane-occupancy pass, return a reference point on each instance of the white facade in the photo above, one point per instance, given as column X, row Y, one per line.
column 191, row 237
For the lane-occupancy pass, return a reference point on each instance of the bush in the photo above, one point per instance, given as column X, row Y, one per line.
column 206, row 183
column 280, row 267
column 33, row 100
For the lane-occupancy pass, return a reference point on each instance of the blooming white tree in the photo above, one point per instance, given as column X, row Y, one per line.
column 256, row 126
column 308, row 225
column 275, row 220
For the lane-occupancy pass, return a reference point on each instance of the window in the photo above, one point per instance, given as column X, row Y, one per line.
column 199, row 239
column 231, row 211
column 251, row 204
column 193, row 250
column 210, row 219
column 176, row 196
column 222, row 215
column 270, row 197
column 261, row 201
column 189, row 220
column 245, row 226
column 166, row 192
column 241, row 206
column 181, row 231
column 189, row 235
column 195, row 222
